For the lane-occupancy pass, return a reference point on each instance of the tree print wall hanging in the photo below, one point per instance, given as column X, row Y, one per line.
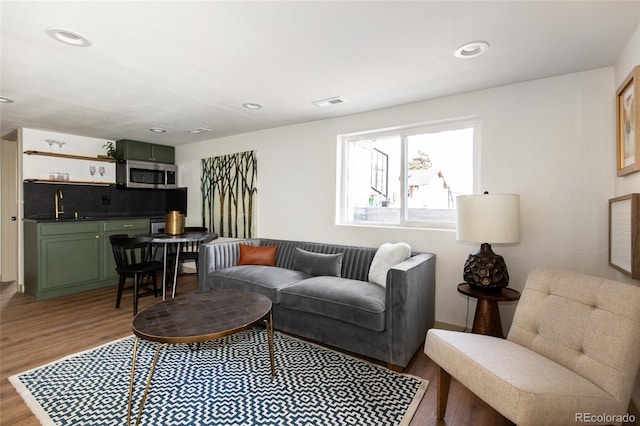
column 228, row 184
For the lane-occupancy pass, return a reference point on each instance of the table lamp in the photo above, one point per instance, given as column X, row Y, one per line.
column 487, row 218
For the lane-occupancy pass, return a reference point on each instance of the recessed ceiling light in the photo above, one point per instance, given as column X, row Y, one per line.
column 4, row 100
column 328, row 102
column 251, row 105
column 199, row 130
column 69, row 37
column 157, row 130
column 471, row 50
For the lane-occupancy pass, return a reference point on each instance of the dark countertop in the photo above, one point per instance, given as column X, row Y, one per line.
column 65, row 218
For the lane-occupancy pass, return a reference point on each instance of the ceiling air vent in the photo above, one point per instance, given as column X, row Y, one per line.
column 328, row 102
column 199, row 130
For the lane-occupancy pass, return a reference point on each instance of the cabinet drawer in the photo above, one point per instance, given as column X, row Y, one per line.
column 127, row 225
column 66, row 228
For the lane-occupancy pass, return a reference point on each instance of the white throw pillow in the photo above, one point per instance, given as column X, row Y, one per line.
column 387, row 256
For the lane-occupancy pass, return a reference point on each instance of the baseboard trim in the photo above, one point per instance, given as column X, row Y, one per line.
column 447, row 326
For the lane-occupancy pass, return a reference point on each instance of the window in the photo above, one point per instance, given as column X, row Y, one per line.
column 408, row 176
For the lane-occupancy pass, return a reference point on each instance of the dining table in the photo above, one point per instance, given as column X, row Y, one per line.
column 178, row 239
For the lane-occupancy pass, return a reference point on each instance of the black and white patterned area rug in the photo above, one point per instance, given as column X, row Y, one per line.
column 224, row 382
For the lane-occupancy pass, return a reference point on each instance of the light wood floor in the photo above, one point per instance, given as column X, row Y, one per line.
column 33, row 333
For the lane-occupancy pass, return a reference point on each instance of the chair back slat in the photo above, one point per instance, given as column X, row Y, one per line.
column 130, row 251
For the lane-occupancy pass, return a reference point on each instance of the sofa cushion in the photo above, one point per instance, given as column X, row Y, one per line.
column 265, row 280
column 521, row 384
column 355, row 263
column 387, row 256
column 317, row 263
column 356, row 302
column 250, row 255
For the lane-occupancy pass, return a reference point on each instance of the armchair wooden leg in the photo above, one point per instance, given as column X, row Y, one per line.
column 444, row 380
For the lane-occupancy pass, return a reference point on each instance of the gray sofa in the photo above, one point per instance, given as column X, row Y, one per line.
column 346, row 311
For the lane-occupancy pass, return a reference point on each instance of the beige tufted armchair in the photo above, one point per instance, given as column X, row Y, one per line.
column 571, row 355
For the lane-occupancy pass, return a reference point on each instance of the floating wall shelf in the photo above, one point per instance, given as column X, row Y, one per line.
column 74, row 157
column 75, row 182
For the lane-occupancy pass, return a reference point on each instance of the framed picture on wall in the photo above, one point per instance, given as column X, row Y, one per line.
column 624, row 234
column 628, row 128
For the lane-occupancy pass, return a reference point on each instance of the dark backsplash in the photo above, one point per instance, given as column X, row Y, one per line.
column 101, row 201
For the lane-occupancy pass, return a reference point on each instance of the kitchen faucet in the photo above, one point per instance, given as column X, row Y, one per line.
column 58, row 202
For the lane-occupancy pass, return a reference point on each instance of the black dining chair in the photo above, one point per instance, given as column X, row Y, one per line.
column 133, row 256
column 188, row 251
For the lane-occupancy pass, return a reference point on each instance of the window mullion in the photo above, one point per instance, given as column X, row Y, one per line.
column 404, row 201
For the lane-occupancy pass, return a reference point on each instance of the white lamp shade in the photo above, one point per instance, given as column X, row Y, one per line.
column 488, row 218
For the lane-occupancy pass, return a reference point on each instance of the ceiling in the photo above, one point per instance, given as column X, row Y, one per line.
column 182, row 65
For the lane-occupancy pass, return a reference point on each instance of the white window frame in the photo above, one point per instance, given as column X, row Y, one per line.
column 343, row 140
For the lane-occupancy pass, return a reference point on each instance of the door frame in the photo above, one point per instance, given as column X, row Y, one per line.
column 11, row 255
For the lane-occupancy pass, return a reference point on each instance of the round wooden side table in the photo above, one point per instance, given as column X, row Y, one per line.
column 487, row 317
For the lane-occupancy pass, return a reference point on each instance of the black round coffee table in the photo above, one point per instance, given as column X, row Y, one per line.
column 196, row 318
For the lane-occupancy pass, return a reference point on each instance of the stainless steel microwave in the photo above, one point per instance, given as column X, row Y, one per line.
column 145, row 174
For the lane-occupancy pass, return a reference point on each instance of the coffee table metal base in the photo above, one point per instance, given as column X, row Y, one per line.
column 269, row 330
column 196, row 318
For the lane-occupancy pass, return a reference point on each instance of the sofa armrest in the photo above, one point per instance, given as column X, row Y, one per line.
column 410, row 305
column 217, row 255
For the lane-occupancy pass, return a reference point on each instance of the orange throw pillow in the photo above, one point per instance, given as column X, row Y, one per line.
column 250, row 255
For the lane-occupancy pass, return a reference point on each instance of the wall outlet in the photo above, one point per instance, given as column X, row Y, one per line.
column 106, row 200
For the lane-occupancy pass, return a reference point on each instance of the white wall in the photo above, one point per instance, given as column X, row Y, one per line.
column 39, row 167
column 630, row 183
column 629, row 58
column 549, row 140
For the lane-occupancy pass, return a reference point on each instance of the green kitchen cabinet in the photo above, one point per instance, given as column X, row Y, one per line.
column 163, row 154
column 127, row 149
column 69, row 259
column 62, row 258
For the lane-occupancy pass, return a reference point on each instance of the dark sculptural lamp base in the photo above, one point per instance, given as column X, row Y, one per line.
column 485, row 269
